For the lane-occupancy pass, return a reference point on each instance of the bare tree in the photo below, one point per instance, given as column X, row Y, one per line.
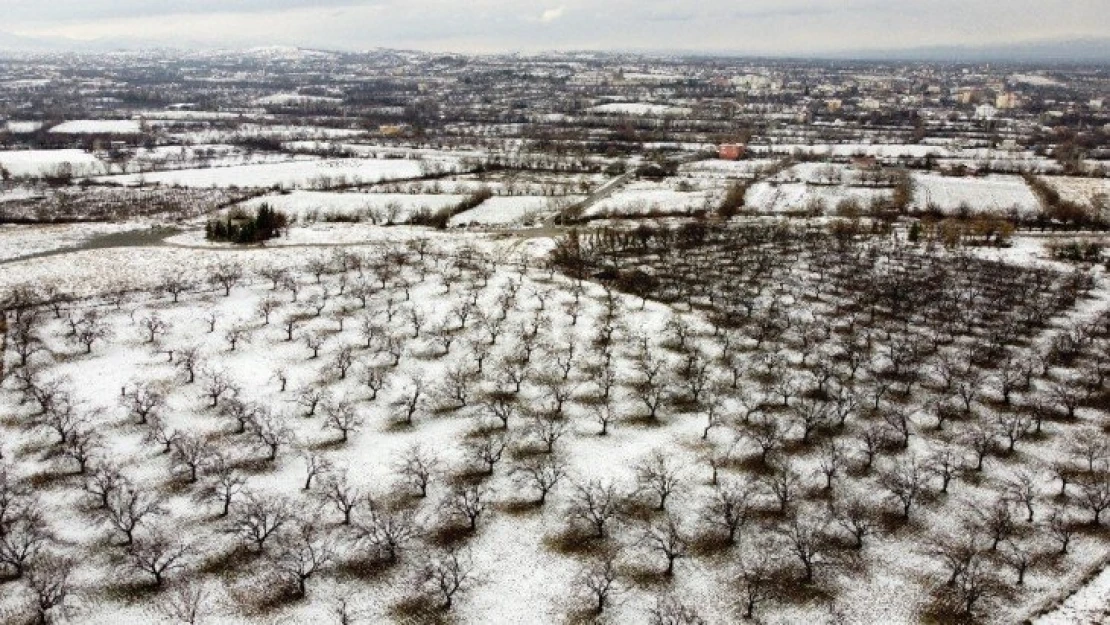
column 343, row 496
column 23, row 536
column 342, row 416
column 446, row 574
column 945, row 463
column 805, row 538
column 542, row 475
column 226, row 276
column 905, row 481
column 343, row 361
column 857, row 517
column 188, row 603
column 387, row 532
column 238, row 333
column 995, row 521
column 548, row 428
column 270, row 432
column 90, row 330
column 143, row 401
column 1094, row 495
column 832, row 460
column 594, row 504
column 315, row 466
column 154, row 326
column 104, row 480
column 784, row 483
column 257, row 519
column 310, row 398
column 49, row 580
column 410, row 402
column 314, row 342
column 728, row 510
column 157, row 554
column 266, row 307
column 666, row 538
column 190, row 452
column 1061, row 528
column 659, row 476
column 466, row 504
column 189, row 361
column 177, row 285
column 302, row 553
column 599, row 579
column 671, row 611
column 1021, row 489
column 127, row 508
column 223, row 484
column 417, row 467
column 487, row 450
column 218, row 384
column 756, row 583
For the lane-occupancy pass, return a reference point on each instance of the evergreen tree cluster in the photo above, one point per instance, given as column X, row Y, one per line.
column 266, row 224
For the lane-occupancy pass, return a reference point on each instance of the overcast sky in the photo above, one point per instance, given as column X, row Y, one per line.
column 760, row 26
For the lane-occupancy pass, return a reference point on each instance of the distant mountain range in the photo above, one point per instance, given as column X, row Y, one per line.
column 1088, row 50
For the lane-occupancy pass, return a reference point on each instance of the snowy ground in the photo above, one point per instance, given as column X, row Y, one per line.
column 997, row 194
column 382, row 208
column 98, row 126
column 641, row 108
column 37, row 163
column 298, row 174
column 514, row 211
column 798, row 197
column 725, row 169
column 519, row 576
column 24, row 240
column 1082, row 191
column 645, row 197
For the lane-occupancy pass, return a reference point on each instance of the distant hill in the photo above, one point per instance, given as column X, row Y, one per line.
column 1089, row 50
column 1086, row 50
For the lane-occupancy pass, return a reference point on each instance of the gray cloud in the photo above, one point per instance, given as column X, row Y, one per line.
column 765, row 26
column 75, row 10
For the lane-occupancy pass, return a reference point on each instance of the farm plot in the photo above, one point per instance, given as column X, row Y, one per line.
column 378, row 208
column 91, row 203
column 509, row 211
column 840, row 427
column 796, row 197
column 24, row 240
column 48, row 163
column 98, row 126
column 646, row 198
column 298, row 174
column 995, row 194
column 1082, row 191
column 718, row 169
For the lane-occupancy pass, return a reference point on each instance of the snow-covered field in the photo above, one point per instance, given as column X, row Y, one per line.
column 24, row 240
column 997, row 194
column 295, row 98
column 422, row 320
column 297, row 174
column 647, row 197
column 714, row 168
column 768, row 197
column 393, row 208
column 1082, row 191
column 641, row 108
column 517, row 210
column 22, row 127
column 98, row 126
column 38, row 163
